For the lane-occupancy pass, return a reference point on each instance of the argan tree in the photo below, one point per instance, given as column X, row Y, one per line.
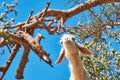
column 95, row 34
column 101, row 35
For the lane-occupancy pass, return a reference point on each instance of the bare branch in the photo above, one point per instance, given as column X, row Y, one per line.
column 18, row 39
column 9, row 61
column 35, row 46
column 23, row 62
column 3, row 42
column 29, row 16
column 38, row 38
column 8, row 48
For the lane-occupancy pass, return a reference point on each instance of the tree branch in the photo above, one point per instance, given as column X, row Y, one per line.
column 35, row 46
column 9, row 61
column 3, row 42
column 88, row 5
column 24, row 60
column 60, row 15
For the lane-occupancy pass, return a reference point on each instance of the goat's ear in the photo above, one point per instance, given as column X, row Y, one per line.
column 61, row 56
column 83, row 49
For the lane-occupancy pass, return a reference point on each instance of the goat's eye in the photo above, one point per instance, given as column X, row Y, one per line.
column 61, row 42
column 73, row 38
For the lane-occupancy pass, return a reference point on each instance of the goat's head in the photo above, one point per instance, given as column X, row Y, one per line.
column 69, row 46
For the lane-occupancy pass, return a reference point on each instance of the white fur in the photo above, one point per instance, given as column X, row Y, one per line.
column 70, row 50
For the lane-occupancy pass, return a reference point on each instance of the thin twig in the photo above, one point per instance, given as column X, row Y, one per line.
column 30, row 16
column 8, row 48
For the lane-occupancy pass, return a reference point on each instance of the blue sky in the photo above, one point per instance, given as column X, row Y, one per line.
column 36, row 69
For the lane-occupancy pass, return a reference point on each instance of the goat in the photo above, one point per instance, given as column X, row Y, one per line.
column 70, row 50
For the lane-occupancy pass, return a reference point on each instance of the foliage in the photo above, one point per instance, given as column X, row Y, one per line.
column 104, row 66
column 101, row 34
column 5, row 9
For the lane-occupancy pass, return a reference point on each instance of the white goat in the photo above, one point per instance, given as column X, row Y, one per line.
column 71, row 49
